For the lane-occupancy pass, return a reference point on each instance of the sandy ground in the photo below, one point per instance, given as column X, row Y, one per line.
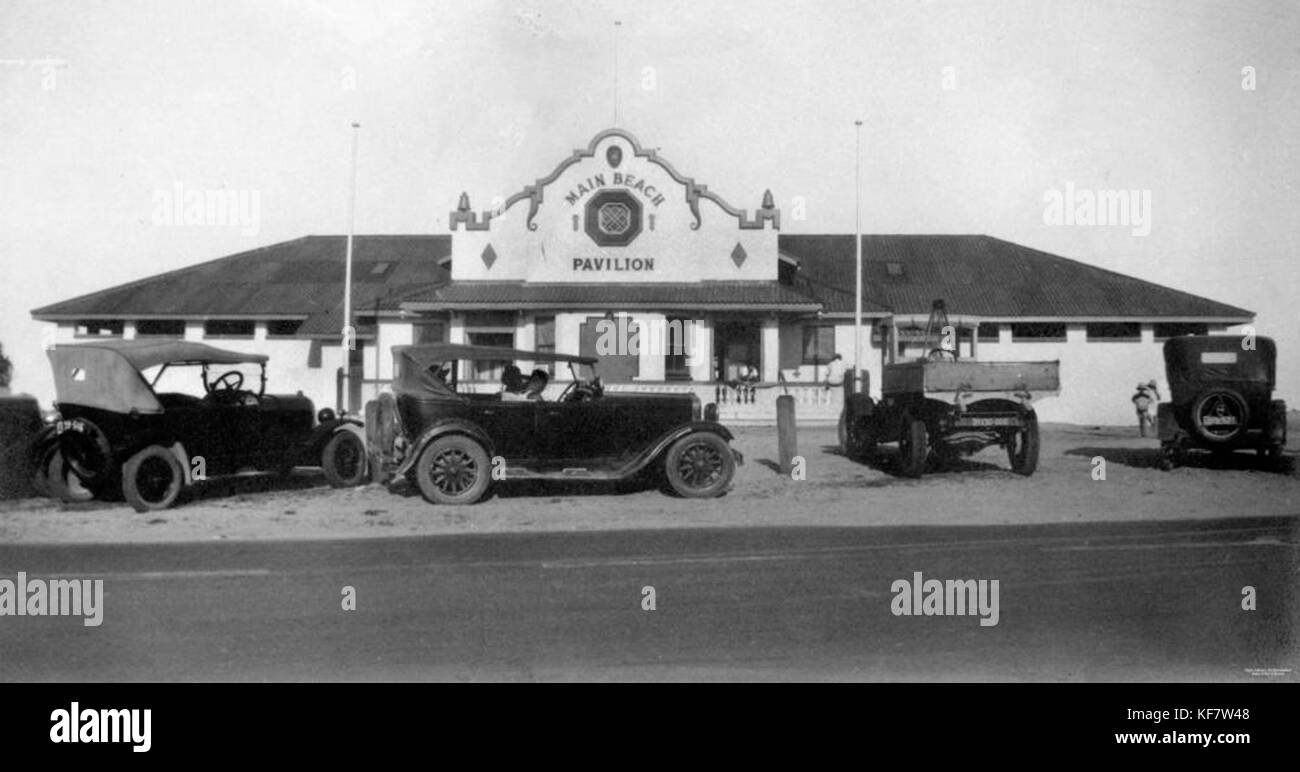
column 837, row 492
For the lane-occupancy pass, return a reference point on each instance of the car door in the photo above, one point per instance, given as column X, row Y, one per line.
column 511, row 425
column 579, row 434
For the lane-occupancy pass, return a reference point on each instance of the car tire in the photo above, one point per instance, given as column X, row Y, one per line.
column 1271, row 458
column 63, row 483
column 1022, row 450
column 699, row 466
column 152, row 479
column 912, row 447
column 854, row 442
column 453, row 470
column 344, row 460
column 41, row 471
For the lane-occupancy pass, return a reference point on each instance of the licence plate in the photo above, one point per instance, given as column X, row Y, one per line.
column 989, row 421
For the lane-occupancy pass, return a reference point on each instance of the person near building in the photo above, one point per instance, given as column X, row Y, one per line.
column 835, row 372
column 1144, row 401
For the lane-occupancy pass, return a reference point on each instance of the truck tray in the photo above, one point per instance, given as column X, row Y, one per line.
column 929, row 377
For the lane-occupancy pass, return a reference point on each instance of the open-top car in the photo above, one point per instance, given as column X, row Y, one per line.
column 1222, row 398
column 114, row 432
column 454, row 443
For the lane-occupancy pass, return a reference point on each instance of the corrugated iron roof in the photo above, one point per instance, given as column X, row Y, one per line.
column 300, row 277
column 976, row 275
column 984, row 276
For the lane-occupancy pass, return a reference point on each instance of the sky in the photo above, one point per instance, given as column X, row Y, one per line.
column 973, row 114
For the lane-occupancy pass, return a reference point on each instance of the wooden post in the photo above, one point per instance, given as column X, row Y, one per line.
column 787, row 445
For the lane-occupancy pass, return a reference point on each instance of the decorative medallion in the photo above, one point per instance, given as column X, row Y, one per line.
column 614, row 155
column 613, row 218
column 489, row 256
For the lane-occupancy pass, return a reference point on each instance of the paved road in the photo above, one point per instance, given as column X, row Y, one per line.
column 1088, row 601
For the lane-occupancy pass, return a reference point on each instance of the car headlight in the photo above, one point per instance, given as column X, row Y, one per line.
column 51, row 416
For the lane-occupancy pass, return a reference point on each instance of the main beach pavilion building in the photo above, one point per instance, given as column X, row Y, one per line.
column 617, row 254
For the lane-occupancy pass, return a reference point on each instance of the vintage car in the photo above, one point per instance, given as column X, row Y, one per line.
column 114, row 433
column 454, row 443
column 1221, row 390
column 944, row 407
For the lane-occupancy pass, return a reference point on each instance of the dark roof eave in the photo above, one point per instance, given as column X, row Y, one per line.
column 604, row 306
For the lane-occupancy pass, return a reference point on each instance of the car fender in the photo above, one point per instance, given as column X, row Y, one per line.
column 323, row 432
column 182, row 455
column 665, row 441
column 441, row 429
column 1276, row 429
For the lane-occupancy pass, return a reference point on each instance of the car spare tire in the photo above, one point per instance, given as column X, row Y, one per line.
column 1220, row 416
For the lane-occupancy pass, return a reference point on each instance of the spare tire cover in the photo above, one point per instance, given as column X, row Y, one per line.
column 1220, row 415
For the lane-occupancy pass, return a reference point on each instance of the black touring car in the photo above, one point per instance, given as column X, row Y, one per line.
column 453, row 443
column 113, row 433
column 1222, row 398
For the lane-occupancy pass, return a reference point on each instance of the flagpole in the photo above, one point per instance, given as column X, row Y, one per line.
column 857, row 242
column 349, row 332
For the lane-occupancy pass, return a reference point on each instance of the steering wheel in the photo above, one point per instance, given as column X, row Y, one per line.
column 220, row 384
column 579, row 392
column 941, row 355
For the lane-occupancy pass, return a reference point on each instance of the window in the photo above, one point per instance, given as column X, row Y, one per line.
column 677, row 348
column 605, row 337
column 989, row 332
column 431, row 332
column 314, row 354
column 1038, row 332
column 818, row 344
column 100, row 328
column 228, row 328
column 283, row 328
column 162, row 328
column 1174, row 329
column 1114, row 331
column 489, row 370
column 544, row 340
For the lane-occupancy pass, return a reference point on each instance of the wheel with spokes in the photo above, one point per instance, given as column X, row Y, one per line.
column 344, row 460
column 700, row 466
column 152, row 479
column 453, row 470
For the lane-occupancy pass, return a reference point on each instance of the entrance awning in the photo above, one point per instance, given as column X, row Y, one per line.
column 702, row 296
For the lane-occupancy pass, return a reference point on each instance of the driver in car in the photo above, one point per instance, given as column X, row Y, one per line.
column 536, row 385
